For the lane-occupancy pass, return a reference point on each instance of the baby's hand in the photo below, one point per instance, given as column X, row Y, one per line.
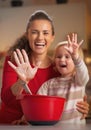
column 73, row 46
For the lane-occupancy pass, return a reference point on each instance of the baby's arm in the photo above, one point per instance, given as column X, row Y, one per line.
column 73, row 47
column 82, row 75
column 43, row 90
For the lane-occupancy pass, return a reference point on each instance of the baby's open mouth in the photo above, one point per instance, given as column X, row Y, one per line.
column 63, row 65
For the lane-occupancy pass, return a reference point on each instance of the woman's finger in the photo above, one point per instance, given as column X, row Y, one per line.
column 83, row 116
column 20, row 56
column 83, row 106
column 25, row 56
column 16, row 58
column 84, row 113
column 12, row 65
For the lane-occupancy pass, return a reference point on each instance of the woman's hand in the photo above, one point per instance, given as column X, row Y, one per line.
column 83, row 107
column 21, row 121
column 23, row 68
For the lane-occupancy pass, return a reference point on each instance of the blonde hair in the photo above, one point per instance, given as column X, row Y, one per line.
column 65, row 43
column 62, row 44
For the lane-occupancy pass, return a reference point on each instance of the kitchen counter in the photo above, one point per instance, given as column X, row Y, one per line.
column 53, row 127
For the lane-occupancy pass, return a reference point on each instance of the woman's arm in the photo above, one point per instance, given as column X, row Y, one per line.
column 8, row 79
column 83, row 107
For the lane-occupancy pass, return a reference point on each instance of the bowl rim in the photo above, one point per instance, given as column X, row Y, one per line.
column 40, row 96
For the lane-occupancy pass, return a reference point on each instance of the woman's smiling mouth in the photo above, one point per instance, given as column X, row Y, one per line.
column 40, row 44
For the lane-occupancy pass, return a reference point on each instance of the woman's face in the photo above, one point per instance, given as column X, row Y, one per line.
column 40, row 36
column 64, row 62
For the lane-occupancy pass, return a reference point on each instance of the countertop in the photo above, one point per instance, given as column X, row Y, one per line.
column 53, row 127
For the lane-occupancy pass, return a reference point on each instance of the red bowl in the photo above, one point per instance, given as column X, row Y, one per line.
column 42, row 110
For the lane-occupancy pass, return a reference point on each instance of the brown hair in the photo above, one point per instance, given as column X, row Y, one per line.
column 22, row 42
column 38, row 15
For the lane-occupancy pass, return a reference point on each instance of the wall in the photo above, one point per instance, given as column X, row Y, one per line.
column 88, row 18
column 7, row 3
column 67, row 18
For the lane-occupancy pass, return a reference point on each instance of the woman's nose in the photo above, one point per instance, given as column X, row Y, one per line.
column 40, row 36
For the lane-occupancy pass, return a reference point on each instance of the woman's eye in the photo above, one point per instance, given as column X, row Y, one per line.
column 46, row 33
column 34, row 32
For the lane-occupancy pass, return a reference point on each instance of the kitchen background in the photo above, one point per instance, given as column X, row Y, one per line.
column 68, row 16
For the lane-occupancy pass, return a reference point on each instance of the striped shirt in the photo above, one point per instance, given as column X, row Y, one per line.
column 71, row 88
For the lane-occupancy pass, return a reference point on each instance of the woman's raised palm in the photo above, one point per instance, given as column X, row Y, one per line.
column 23, row 67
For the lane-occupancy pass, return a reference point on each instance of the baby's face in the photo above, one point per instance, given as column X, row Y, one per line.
column 64, row 62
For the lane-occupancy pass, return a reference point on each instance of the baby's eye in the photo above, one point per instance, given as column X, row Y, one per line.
column 45, row 33
column 59, row 57
column 67, row 56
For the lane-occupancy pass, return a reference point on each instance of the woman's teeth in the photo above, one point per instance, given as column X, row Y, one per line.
column 40, row 44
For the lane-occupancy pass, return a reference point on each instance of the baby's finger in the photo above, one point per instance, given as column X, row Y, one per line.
column 75, row 37
column 66, row 48
column 80, row 43
column 69, row 39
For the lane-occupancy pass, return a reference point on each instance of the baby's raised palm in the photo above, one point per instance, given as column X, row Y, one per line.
column 73, row 45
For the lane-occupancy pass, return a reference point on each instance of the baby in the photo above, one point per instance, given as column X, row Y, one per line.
column 72, row 80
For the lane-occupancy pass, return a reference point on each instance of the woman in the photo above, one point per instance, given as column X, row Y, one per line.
column 35, row 43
